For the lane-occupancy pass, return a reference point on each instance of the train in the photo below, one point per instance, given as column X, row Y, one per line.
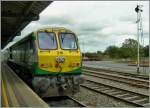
column 49, row 58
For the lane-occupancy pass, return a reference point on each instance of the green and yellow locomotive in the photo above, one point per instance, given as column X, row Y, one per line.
column 51, row 59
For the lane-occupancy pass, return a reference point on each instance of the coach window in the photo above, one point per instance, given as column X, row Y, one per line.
column 47, row 40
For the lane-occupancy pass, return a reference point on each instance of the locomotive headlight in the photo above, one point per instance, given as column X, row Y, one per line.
column 74, row 65
column 78, row 64
column 45, row 65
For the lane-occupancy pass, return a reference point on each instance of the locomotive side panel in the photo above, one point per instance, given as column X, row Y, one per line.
column 23, row 54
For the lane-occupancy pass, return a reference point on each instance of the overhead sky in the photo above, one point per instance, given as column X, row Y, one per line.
column 98, row 24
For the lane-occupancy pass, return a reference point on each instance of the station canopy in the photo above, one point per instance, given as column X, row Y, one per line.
column 15, row 15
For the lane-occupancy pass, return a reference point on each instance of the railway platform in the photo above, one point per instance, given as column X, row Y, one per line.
column 15, row 93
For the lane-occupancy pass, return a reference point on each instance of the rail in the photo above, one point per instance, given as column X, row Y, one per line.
column 118, row 93
column 120, row 78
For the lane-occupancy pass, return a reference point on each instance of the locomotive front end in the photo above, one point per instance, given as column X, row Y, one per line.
column 59, row 61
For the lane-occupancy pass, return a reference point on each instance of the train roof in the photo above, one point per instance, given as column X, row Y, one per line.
column 62, row 29
column 20, row 40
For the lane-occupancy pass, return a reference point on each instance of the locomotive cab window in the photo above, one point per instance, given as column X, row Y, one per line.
column 47, row 40
column 67, row 41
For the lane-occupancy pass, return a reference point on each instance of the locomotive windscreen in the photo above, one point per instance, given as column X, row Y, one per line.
column 47, row 40
column 67, row 41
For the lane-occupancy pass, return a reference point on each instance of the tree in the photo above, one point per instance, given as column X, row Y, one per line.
column 129, row 49
column 99, row 52
column 112, row 51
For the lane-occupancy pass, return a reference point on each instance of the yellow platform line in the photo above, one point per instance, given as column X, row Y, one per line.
column 4, row 95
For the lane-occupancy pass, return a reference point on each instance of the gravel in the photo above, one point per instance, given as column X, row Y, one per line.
column 94, row 99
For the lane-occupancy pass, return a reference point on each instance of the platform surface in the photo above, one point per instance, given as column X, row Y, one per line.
column 118, row 67
column 15, row 93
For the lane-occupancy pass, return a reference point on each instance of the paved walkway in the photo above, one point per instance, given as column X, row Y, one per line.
column 15, row 93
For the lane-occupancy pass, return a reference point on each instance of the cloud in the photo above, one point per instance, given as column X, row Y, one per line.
column 97, row 24
column 120, row 28
column 131, row 19
column 61, row 20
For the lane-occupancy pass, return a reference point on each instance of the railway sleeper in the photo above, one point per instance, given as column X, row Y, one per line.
column 117, row 93
column 96, row 87
column 114, row 92
column 89, row 85
column 109, row 91
column 146, row 104
column 103, row 89
column 144, row 101
column 123, row 95
column 132, row 98
column 141, row 101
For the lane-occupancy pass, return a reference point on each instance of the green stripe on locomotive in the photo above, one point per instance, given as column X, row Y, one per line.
column 39, row 71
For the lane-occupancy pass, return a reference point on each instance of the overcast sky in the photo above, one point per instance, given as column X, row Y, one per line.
column 97, row 24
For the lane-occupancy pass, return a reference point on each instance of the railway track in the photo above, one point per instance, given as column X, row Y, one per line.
column 63, row 101
column 119, row 78
column 121, row 94
column 117, row 72
column 80, row 103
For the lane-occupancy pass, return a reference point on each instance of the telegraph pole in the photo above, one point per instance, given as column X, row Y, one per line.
column 138, row 10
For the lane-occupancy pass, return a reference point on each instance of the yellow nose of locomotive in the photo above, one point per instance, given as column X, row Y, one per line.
column 58, row 53
column 67, row 62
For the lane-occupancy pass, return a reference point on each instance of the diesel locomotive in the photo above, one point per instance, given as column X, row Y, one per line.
column 50, row 59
